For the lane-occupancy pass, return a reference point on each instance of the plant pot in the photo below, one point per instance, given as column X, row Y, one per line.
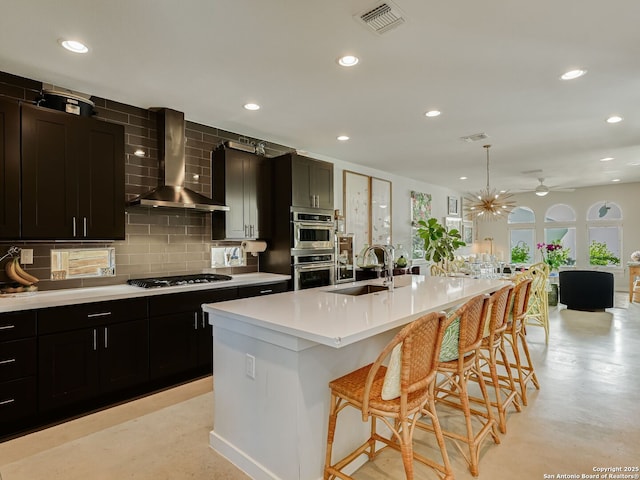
column 552, row 293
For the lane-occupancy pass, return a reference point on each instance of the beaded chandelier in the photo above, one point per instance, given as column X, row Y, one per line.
column 488, row 203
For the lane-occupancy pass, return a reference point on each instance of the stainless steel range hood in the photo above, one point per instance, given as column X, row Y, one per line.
column 171, row 149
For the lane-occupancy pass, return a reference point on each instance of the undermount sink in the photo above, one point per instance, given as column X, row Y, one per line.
column 360, row 290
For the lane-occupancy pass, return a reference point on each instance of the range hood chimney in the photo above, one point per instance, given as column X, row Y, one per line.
column 171, row 149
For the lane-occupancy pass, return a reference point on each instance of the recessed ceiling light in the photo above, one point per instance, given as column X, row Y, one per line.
column 348, row 60
column 614, row 119
column 139, row 153
column 343, row 138
column 252, row 106
column 606, row 159
column 615, row 180
column 74, row 46
column 463, row 178
column 572, row 74
column 432, row 113
column 635, row 164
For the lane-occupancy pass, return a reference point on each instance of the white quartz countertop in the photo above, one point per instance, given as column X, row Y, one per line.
column 323, row 316
column 73, row 296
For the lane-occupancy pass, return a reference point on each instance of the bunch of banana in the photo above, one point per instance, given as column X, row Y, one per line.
column 17, row 274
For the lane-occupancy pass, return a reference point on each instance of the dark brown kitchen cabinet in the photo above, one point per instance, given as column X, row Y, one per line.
column 9, row 169
column 90, row 350
column 180, row 335
column 264, row 289
column 312, row 183
column 302, row 182
column 72, row 177
column 239, row 181
column 17, row 366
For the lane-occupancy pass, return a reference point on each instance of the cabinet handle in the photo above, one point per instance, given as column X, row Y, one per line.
column 84, row 226
column 101, row 314
column 74, row 226
column 7, row 327
column 95, row 340
column 106, row 337
column 5, row 402
column 10, row 360
column 262, row 292
column 195, row 320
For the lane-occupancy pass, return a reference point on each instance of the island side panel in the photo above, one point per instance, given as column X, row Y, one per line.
column 275, row 426
column 317, row 367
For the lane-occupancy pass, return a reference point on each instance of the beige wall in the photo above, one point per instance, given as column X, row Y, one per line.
column 627, row 196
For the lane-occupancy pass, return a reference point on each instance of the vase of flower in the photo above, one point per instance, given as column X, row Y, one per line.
column 554, row 255
column 552, row 294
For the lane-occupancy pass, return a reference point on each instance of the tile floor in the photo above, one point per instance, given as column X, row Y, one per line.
column 584, row 417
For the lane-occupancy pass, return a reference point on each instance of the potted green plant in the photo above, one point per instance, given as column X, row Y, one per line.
column 599, row 254
column 440, row 243
column 520, row 253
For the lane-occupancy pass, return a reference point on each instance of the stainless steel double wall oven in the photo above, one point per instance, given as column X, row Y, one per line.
column 312, row 248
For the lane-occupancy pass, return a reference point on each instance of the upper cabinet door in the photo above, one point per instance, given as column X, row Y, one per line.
column 9, row 169
column 72, row 177
column 322, row 184
column 101, row 198
column 301, row 195
column 49, row 174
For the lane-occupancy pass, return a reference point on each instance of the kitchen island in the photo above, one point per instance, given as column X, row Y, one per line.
column 274, row 356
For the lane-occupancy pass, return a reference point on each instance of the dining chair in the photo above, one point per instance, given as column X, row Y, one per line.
column 492, row 346
column 398, row 395
column 452, row 387
column 515, row 336
column 538, row 307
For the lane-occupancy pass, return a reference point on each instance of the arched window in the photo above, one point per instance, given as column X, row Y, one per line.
column 522, row 215
column 560, row 213
column 561, row 220
column 604, row 223
column 604, row 211
column 522, row 239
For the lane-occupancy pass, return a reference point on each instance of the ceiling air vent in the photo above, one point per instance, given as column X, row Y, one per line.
column 381, row 18
column 475, row 138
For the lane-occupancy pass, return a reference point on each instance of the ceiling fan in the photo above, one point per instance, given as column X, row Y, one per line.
column 542, row 189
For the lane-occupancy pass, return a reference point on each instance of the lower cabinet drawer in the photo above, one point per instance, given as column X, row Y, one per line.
column 257, row 290
column 18, row 359
column 17, row 399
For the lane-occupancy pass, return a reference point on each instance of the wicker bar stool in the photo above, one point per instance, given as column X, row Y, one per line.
column 453, row 391
column 414, row 350
column 516, row 338
column 538, row 305
column 506, row 393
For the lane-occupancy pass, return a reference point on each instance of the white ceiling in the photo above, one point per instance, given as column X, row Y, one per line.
column 490, row 66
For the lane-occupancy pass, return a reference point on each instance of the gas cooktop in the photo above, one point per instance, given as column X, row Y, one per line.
column 178, row 280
